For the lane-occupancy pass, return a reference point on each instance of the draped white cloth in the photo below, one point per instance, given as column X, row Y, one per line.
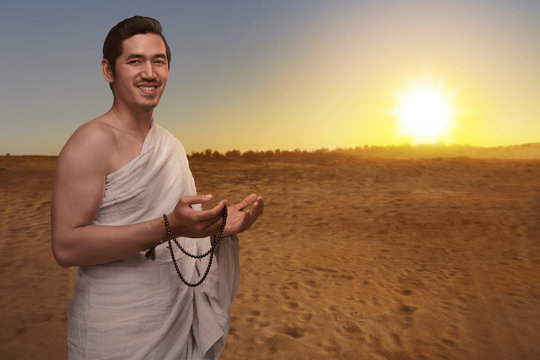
column 136, row 308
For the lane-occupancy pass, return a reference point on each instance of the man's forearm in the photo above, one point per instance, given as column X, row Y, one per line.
column 99, row 244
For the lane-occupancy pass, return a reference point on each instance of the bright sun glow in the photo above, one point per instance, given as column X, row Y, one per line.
column 426, row 112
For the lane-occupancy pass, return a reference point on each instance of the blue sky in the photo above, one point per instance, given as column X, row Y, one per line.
column 276, row 74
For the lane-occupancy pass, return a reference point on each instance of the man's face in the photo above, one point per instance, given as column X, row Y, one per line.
column 141, row 72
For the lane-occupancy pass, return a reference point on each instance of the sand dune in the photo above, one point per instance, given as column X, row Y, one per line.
column 364, row 258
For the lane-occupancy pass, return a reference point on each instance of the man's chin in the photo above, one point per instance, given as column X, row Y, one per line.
column 148, row 107
column 150, row 104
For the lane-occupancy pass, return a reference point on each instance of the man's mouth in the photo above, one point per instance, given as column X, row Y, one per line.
column 147, row 88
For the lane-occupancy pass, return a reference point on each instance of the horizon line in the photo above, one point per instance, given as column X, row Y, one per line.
column 336, row 149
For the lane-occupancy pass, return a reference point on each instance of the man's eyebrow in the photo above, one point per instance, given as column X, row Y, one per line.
column 134, row 56
column 139, row 56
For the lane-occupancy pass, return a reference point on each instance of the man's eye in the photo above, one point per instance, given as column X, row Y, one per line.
column 133, row 62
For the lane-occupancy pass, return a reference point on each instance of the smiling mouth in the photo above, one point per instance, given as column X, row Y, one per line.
column 147, row 88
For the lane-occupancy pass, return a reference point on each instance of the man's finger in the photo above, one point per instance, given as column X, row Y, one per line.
column 246, row 202
column 196, row 199
column 255, row 212
column 212, row 214
column 259, row 205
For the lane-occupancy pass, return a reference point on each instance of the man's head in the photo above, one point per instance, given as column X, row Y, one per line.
column 112, row 47
column 136, row 62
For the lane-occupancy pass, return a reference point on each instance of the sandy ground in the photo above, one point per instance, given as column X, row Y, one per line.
column 355, row 259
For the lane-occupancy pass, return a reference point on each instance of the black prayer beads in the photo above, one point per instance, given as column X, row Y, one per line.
column 215, row 242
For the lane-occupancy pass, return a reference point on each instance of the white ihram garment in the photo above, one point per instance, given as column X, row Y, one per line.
column 138, row 309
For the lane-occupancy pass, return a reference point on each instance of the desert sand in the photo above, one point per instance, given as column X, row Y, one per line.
column 354, row 258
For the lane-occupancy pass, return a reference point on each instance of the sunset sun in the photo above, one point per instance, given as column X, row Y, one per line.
column 425, row 113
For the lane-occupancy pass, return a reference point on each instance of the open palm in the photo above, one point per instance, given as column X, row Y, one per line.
column 239, row 219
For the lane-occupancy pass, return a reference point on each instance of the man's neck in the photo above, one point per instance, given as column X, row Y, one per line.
column 135, row 121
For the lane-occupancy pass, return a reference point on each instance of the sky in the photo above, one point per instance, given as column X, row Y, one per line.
column 265, row 75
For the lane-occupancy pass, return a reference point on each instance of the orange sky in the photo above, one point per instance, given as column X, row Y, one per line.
column 300, row 74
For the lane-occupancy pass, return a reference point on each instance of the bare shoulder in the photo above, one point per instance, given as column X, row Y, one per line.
column 89, row 147
column 80, row 177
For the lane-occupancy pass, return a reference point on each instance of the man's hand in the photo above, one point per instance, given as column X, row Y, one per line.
column 238, row 220
column 184, row 221
column 187, row 222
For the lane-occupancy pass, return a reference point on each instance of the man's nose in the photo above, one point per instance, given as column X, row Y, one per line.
column 148, row 71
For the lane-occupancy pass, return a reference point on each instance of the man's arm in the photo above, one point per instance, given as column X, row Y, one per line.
column 77, row 194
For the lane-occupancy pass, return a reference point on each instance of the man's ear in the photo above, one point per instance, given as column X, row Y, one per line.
column 106, row 70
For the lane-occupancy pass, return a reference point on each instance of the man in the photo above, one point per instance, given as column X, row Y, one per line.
column 115, row 178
